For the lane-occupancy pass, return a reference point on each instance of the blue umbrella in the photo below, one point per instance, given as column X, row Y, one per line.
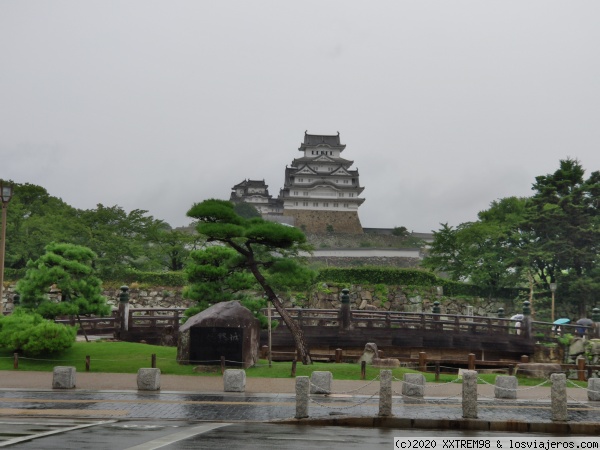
column 562, row 321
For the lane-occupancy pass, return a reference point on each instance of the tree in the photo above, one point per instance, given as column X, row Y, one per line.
column 267, row 250
column 170, row 249
column 563, row 220
column 400, row 231
column 246, row 210
column 481, row 252
column 68, row 270
column 214, row 275
column 119, row 239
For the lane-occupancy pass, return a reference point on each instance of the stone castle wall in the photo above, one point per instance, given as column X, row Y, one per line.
column 392, row 298
column 314, row 221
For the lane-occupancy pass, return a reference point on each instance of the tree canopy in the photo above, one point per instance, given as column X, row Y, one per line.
column 551, row 237
column 269, row 251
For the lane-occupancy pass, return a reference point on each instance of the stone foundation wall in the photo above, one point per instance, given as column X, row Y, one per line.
column 317, row 221
column 388, row 298
column 378, row 261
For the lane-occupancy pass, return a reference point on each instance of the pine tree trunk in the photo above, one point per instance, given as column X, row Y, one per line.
column 294, row 328
column 82, row 329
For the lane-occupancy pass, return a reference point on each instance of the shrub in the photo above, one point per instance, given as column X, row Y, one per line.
column 33, row 335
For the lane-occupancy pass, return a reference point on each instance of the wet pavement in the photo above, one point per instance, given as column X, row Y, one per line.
column 267, row 407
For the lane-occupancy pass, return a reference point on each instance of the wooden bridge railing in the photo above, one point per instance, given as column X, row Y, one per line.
column 139, row 318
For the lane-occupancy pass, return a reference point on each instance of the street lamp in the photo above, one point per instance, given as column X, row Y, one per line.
column 6, row 193
column 553, row 290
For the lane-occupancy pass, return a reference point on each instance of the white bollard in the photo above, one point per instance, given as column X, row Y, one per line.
column 302, row 390
column 414, row 385
column 469, row 394
column 558, row 395
column 63, row 377
column 506, row 387
column 148, row 379
column 594, row 389
column 234, row 380
column 320, row 382
column 385, row 393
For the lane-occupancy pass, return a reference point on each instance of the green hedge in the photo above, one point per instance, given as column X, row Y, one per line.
column 410, row 277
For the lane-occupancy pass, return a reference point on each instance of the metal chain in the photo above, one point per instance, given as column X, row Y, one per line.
column 345, row 392
column 354, row 405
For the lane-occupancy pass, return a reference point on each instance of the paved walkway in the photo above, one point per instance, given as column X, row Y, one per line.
column 202, row 398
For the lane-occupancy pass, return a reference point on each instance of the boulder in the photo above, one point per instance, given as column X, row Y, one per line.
column 538, row 370
column 370, row 352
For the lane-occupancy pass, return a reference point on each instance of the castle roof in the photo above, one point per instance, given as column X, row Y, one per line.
column 313, row 140
column 251, row 183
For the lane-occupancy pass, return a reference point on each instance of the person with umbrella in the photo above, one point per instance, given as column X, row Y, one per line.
column 518, row 317
column 556, row 329
column 583, row 324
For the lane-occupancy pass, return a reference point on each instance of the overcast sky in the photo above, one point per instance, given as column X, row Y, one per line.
column 444, row 106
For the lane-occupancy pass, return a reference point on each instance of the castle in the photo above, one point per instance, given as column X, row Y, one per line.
column 321, row 193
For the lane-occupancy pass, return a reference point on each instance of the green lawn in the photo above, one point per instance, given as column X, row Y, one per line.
column 128, row 357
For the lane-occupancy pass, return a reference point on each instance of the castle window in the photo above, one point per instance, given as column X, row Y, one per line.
column 345, row 181
column 335, row 205
column 351, row 194
column 341, row 194
column 295, row 192
column 305, row 194
column 346, row 205
column 315, row 204
column 304, row 203
column 295, row 203
column 325, row 205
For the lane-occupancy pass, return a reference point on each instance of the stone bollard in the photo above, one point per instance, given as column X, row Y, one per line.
column 414, row 385
column 385, row 393
column 469, row 394
column 302, row 390
column 506, row 387
column 558, row 394
column 320, row 382
column 234, row 380
column 148, row 379
column 594, row 389
column 63, row 377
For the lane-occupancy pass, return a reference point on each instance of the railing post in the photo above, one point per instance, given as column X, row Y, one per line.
column 153, row 361
column 87, row 363
column 471, row 361
column 385, row 393
column 526, row 323
column 422, row 362
column 581, row 368
column 363, row 370
column 222, row 365
column 15, row 360
column 345, row 319
column 469, row 394
column 437, row 371
column 338, row 355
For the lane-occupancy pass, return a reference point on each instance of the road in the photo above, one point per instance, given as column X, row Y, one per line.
column 179, row 435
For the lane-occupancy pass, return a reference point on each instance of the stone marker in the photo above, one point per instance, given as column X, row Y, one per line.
column 385, row 393
column 558, row 395
column 320, row 382
column 414, row 385
column 234, row 380
column 469, row 394
column 594, row 389
column 383, row 363
column 148, row 379
column 302, row 389
column 370, row 352
column 63, row 377
column 506, row 387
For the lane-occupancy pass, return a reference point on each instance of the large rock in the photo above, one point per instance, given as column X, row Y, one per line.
column 370, row 352
column 538, row 370
column 386, row 363
column 225, row 329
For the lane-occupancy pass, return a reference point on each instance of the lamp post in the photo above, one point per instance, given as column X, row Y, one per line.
column 6, row 193
column 553, row 290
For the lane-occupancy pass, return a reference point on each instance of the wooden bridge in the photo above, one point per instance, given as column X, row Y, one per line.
column 399, row 335
column 405, row 335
